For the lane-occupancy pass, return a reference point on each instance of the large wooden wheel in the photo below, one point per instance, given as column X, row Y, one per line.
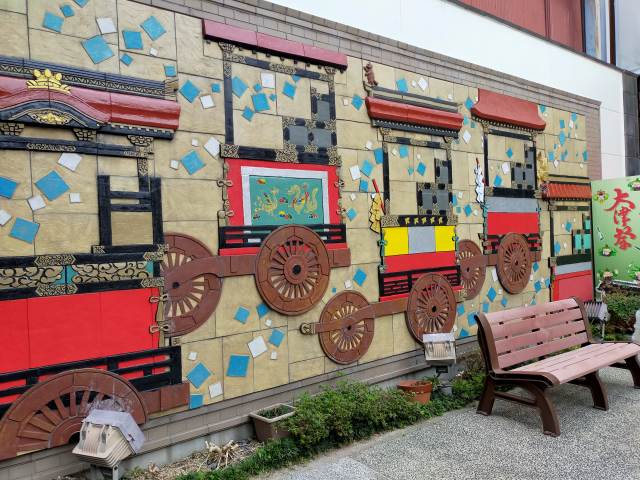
column 473, row 267
column 350, row 342
column 51, row 412
column 514, row 262
column 431, row 306
column 292, row 269
column 189, row 304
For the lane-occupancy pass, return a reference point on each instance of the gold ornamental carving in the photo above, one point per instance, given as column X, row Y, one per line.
column 50, row 117
column 48, row 81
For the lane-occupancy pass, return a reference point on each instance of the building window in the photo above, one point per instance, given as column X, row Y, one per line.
column 595, row 28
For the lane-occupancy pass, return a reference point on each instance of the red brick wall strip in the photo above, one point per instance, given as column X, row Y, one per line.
column 506, row 109
column 401, row 112
column 270, row 44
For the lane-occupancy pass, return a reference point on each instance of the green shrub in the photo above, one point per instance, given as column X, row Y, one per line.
column 341, row 414
column 622, row 308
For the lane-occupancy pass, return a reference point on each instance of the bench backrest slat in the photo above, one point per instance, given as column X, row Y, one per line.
column 523, row 334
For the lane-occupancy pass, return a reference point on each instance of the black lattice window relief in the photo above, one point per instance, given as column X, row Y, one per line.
column 521, row 173
column 129, row 218
column 581, row 239
column 255, row 85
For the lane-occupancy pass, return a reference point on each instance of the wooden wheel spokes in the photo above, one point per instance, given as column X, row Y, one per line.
column 190, row 303
column 514, row 262
column 51, row 412
column 473, row 267
column 292, row 269
column 350, row 342
column 430, row 306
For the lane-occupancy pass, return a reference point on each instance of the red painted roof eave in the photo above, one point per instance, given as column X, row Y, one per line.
column 506, row 109
column 400, row 112
column 103, row 107
column 268, row 43
column 564, row 191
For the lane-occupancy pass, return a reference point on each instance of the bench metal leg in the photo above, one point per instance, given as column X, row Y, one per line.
column 488, row 396
column 598, row 391
column 634, row 368
column 550, row 423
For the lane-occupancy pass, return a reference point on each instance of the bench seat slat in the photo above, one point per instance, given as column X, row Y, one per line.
column 518, row 325
column 578, row 363
column 541, row 350
column 543, row 335
column 531, row 310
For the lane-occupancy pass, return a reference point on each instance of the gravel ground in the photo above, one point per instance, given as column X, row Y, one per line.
column 507, row 445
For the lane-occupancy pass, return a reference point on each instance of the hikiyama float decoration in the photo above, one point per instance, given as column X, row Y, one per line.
column 282, row 220
column 420, row 273
column 615, row 205
column 79, row 328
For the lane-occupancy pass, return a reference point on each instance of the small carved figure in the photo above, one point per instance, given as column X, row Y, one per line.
column 371, row 77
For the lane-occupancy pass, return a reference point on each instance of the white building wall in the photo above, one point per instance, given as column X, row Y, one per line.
column 451, row 30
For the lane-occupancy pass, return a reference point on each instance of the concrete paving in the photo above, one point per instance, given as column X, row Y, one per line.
column 507, row 445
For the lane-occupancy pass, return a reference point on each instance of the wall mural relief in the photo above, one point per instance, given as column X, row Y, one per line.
column 196, row 212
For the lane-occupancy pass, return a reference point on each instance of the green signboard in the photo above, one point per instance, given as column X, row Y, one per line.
column 616, row 228
column 286, row 200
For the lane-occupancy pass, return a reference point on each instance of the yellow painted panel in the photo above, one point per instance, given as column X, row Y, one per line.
column 444, row 239
column 397, row 239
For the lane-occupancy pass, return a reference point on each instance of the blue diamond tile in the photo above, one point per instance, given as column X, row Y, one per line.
column 238, row 366
column 497, row 181
column 198, row 375
column 7, row 187
column 542, row 108
column 196, row 400
column 463, row 333
column 189, row 91
column 126, row 59
column 24, row 230
column 52, row 185
column 485, row 307
column 574, row 116
column 52, row 22
column 262, row 310
column 132, row 40
column 401, row 85
column 410, row 170
column 366, row 168
column 468, row 103
column 561, row 123
column 81, row 3
column 357, row 102
column 403, row 151
column 378, row 153
column 276, row 337
column 192, row 162
column 468, row 210
column 460, row 309
column 510, row 152
column 153, row 28
column 471, row 319
column 170, row 71
column 537, row 286
column 491, row 294
column 364, row 185
column 359, row 277
column 295, row 78
column 215, row 88
column 536, row 266
column 551, row 156
column 568, row 226
column 97, row 49
column 421, row 168
column 547, row 282
column 503, row 302
column 465, row 120
column 557, row 247
column 585, row 155
column 562, row 138
column 273, row 97
column 260, row 102
column 351, row 214
column 334, row 290
column 247, row 113
column 257, row 87
column 67, row 11
column 242, row 314
column 289, row 90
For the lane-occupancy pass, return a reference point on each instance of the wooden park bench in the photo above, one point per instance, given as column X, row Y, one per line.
column 538, row 347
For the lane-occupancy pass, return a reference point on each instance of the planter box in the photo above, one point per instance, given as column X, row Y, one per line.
column 269, row 428
column 420, row 390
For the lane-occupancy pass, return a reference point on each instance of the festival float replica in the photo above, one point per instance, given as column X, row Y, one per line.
column 192, row 212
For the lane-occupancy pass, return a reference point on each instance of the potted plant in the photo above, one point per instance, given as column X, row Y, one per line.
column 420, row 390
column 268, row 421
